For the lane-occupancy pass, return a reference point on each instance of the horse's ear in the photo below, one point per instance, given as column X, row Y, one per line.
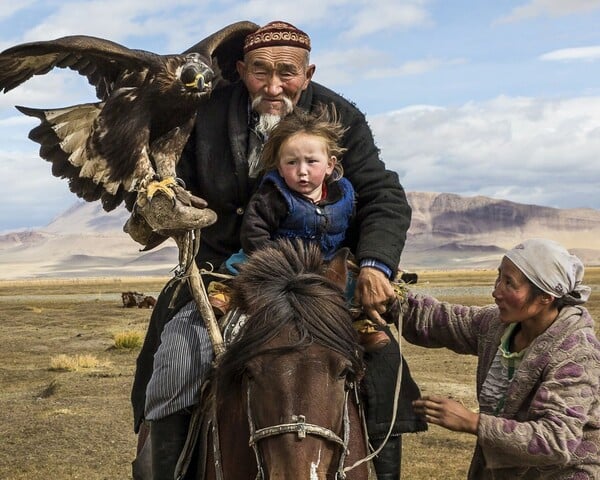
column 337, row 268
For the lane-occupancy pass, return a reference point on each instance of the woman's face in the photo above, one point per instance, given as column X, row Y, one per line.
column 512, row 293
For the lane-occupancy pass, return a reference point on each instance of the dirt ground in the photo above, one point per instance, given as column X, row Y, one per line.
column 78, row 424
column 67, row 424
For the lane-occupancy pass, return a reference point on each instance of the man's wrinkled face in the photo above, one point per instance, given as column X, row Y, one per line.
column 274, row 73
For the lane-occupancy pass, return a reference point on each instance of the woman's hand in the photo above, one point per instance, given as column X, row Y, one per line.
column 447, row 413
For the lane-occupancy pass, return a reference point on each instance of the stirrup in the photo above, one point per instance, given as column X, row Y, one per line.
column 231, row 323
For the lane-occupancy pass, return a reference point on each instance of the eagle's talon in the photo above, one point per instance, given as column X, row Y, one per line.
column 164, row 186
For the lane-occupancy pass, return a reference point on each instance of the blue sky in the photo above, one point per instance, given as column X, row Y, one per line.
column 494, row 98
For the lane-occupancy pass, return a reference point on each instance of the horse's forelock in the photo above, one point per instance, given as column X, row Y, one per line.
column 270, row 271
column 282, row 285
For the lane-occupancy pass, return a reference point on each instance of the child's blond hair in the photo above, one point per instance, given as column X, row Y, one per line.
column 322, row 123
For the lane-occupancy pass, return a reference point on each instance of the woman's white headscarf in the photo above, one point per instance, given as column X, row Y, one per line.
column 551, row 268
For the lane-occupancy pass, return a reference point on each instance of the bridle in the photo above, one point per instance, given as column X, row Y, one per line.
column 299, row 426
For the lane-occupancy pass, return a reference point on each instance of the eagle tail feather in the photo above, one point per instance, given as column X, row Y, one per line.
column 63, row 135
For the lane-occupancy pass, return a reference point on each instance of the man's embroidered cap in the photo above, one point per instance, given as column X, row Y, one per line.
column 275, row 34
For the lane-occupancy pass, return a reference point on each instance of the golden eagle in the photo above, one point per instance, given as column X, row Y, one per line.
column 125, row 147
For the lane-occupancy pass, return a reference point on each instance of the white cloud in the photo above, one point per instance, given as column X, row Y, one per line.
column 8, row 9
column 376, row 17
column 527, row 150
column 413, row 67
column 181, row 23
column 551, row 8
column 68, row 19
column 340, row 67
column 580, row 53
column 521, row 149
column 116, row 20
column 350, row 18
column 59, row 88
column 298, row 13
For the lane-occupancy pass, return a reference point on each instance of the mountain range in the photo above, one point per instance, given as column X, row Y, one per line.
column 447, row 231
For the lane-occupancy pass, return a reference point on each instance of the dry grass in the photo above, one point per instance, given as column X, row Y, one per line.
column 87, row 286
column 128, row 340
column 75, row 363
column 73, row 424
column 78, row 424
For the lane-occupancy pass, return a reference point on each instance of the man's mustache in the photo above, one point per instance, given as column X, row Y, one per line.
column 289, row 105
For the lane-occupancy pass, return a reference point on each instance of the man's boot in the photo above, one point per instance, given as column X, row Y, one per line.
column 168, row 437
column 388, row 463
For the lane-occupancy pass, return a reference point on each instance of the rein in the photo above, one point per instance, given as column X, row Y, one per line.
column 394, row 409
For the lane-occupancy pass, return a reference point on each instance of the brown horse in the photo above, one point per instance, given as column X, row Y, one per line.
column 283, row 400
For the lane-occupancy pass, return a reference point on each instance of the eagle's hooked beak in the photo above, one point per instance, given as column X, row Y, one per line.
column 196, row 76
column 197, row 82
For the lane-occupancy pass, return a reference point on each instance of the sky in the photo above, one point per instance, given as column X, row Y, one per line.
column 485, row 97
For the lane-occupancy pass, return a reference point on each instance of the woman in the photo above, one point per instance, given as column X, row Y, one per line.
column 538, row 368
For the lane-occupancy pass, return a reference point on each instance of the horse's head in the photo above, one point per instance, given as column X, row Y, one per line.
column 293, row 363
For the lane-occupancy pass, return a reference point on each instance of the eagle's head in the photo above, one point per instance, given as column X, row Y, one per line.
column 195, row 75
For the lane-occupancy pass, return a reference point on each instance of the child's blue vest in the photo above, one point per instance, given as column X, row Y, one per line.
column 324, row 224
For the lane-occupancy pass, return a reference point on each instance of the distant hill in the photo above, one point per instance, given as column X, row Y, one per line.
column 84, row 241
column 447, row 232
column 451, row 231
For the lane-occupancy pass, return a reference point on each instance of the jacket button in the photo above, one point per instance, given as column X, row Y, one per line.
column 239, row 211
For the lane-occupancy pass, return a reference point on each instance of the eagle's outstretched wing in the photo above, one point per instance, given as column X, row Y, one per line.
column 103, row 62
column 115, row 148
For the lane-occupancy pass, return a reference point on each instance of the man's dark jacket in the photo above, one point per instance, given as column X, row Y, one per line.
column 214, row 167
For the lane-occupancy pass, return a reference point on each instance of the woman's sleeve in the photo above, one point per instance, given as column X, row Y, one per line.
column 430, row 323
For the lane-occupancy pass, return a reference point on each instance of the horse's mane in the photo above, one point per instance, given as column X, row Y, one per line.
column 281, row 286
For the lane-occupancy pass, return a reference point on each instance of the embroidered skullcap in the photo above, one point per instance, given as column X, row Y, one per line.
column 552, row 269
column 276, row 34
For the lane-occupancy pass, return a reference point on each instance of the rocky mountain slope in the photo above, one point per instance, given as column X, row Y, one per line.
column 447, row 232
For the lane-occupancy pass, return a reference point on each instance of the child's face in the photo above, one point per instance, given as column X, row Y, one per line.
column 304, row 163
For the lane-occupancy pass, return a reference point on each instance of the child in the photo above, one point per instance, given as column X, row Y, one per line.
column 303, row 194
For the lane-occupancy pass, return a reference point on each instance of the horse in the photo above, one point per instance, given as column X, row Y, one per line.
column 282, row 400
